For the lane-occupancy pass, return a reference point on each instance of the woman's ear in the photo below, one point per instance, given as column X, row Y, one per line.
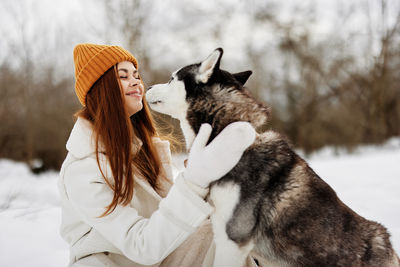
column 209, row 65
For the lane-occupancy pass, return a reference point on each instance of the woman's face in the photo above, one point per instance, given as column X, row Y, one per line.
column 132, row 87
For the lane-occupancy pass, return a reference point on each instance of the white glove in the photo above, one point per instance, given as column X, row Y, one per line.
column 209, row 163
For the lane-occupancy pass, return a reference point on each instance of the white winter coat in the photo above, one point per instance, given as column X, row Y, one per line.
column 143, row 233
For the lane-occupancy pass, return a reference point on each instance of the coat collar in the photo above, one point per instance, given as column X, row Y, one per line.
column 81, row 144
column 81, row 141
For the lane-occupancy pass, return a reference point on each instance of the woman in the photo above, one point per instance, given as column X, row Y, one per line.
column 120, row 206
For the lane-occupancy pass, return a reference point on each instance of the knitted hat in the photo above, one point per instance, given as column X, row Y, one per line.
column 92, row 61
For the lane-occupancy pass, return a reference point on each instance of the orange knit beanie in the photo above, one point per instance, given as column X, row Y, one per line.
column 92, row 61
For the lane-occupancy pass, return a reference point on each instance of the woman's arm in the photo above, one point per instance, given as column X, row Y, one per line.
column 145, row 241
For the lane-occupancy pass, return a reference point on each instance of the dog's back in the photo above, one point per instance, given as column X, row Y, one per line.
column 294, row 218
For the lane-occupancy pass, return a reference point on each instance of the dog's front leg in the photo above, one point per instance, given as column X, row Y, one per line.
column 228, row 253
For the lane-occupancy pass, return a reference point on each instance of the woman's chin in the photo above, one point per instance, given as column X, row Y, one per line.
column 135, row 108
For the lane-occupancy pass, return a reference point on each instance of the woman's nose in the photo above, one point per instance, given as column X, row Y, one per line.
column 133, row 81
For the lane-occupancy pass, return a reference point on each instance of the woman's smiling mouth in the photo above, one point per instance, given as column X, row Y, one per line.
column 134, row 93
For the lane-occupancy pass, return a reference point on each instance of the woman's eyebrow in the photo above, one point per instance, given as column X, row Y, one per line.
column 125, row 70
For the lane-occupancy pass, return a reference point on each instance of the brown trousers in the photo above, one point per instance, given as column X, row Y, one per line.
column 197, row 251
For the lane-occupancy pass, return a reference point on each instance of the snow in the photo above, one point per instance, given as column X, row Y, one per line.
column 29, row 218
column 367, row 180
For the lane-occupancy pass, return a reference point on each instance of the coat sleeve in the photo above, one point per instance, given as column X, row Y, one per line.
column 145, row 241
column 164, row 152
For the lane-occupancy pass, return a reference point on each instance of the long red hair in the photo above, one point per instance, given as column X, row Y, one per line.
column 119, row 136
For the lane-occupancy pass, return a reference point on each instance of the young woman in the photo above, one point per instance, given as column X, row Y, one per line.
column 120, row 204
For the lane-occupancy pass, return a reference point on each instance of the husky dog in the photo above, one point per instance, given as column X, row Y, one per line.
column 271, row 204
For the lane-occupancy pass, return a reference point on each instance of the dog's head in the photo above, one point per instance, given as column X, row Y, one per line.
column 204, row 93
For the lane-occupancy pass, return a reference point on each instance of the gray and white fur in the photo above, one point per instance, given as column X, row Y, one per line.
column 271, row 204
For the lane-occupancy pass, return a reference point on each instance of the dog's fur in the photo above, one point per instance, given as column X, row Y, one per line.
column 271, row 203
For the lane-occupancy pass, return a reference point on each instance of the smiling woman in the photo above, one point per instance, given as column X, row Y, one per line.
column 131, row 86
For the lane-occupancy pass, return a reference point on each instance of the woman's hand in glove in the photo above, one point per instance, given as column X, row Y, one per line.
column 209, row 163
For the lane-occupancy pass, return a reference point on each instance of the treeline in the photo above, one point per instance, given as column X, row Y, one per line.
column 36, row 117
column 335, row 100
column 333, row 90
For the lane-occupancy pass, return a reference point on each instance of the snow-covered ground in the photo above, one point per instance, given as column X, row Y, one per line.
column 368, row 180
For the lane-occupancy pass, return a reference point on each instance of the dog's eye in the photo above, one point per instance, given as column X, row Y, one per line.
column 170, row 80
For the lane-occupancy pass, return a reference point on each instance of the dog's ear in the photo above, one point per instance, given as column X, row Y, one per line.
column 242, row 77
column 209, row 65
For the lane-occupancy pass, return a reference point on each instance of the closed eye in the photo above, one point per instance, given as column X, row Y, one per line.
column 170, row 80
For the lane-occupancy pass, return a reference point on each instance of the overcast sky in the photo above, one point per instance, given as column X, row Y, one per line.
column 56, row 26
